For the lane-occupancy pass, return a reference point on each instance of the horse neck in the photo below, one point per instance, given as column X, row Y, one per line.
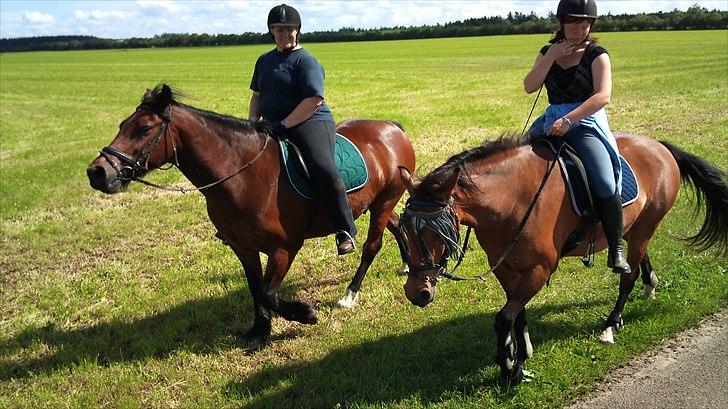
column 204, row 154
column 504, row 182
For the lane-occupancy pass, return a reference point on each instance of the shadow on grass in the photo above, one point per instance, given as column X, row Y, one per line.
column 435, row 363
column 199, row 326
column 450, row 357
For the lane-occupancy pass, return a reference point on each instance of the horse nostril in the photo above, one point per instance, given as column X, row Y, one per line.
column 424, row 296
column 96, row 172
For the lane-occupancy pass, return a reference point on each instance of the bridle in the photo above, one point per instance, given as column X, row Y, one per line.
column 133, row 167
column 443, row 222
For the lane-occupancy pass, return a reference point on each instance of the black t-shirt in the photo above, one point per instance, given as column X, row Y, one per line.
column 284, row 79
column 573, row 84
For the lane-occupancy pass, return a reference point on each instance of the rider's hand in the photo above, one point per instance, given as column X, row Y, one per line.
column 561, row 49
column 558, row 128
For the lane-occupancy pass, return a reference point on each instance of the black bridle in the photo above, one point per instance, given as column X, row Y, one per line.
column 133, row 167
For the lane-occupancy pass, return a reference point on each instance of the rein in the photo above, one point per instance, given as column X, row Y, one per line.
column 454, row 223
column 133, row 167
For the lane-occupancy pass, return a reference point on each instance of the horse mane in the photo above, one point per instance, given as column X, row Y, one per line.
column 155, row 99
column 463, row 160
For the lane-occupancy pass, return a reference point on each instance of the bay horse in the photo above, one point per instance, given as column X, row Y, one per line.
column 236, row 165
column 490, row 188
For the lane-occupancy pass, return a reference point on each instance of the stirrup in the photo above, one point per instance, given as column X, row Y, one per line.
column 345, row 244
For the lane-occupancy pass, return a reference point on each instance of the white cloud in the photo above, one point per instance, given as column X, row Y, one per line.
column 156, row 6
column 38, row 18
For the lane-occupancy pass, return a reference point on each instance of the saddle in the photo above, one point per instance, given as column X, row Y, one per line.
column 577, row 186
column 347, row 158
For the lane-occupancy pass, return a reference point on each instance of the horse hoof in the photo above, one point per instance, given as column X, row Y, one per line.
column 349, row 301
column 515, row 375
column 649, row 292
column 607, row 336
column 258, row 334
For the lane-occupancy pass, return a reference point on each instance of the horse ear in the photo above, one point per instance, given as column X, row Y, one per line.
column 406, row 177
column 166, row 94
column 449, row 185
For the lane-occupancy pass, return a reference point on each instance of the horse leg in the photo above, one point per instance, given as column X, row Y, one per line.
column 254, row 273
column 279, row 261
column 638, row 238
column 512, row 318
column 649, row 278
column 377, row 221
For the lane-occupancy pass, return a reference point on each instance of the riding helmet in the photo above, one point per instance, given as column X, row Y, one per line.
column 284, row 15
column 577, row 8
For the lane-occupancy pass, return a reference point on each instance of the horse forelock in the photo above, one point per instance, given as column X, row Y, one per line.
column 463, row 161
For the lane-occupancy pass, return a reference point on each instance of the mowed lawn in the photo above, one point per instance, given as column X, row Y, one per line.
column 130, row 301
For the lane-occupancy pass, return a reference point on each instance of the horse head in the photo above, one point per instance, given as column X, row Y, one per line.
column 134, row 151
column 430, row 227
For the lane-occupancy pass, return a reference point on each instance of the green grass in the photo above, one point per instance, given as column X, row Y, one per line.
column 129, row 300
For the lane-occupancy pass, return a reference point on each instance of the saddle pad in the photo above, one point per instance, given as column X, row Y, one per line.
column 347, row 158
column 577, row 192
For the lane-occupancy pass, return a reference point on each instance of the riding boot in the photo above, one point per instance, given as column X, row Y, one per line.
column 609, row 211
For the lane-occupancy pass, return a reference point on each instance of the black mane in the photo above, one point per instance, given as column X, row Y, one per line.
column 462, row 161
column 155, row 99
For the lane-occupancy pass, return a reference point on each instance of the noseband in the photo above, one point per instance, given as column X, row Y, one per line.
column 445, row 223
column 133, row 167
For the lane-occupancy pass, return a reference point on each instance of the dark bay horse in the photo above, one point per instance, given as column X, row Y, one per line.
column 236, row 165
column 490, row 189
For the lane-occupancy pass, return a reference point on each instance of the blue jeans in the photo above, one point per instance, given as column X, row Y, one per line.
column 596, row 160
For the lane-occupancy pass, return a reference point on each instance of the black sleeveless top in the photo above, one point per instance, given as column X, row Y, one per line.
column 573, row 84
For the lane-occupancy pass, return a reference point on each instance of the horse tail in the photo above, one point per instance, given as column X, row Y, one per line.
column 709, row 184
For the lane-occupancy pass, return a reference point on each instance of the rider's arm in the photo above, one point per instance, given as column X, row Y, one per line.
column 303, row 111
column 254, row 107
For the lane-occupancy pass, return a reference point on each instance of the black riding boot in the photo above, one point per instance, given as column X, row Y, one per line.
column 609, row 211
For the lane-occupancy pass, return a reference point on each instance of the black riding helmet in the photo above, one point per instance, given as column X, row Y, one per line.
column 577, row 8
column 284, row 15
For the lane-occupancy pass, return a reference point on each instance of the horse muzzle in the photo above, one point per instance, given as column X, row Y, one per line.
column 420, row 296
column 104, row 178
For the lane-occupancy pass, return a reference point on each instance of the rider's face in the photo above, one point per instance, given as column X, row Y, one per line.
column 285, row 36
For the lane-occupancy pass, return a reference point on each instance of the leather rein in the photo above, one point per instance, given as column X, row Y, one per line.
column 447, row 212
column 133, row 167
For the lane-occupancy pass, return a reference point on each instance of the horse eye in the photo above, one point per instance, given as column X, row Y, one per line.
column 141, row 131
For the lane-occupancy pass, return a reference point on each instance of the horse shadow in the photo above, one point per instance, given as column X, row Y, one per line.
column 199, row 326
column 450, row 356
column 430, row 364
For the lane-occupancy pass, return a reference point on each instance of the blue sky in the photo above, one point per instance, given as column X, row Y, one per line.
column 146, row 18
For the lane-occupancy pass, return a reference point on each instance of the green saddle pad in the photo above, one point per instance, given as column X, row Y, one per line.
column 347, row 158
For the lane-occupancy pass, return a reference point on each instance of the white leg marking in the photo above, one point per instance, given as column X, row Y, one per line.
column 649, row 292
column 607, row 336
column 350, row 300
column 510, row 352
column 403, row 269
column 527, row 338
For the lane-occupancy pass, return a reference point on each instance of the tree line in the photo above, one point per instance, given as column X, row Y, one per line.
column 695, row 18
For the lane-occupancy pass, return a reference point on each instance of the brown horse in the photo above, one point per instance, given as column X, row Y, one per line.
column 236, row 165
column 490, row 189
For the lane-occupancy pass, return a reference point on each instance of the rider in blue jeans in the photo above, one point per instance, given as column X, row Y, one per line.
column 288, row 90
column 577, row 74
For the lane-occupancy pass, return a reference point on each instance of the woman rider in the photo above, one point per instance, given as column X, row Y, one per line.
column 288, row 90
column 578, row 78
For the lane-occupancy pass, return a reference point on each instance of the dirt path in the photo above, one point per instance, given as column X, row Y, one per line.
column 689, row 371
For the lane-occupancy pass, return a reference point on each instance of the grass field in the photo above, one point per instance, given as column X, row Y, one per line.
column 129, row 300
